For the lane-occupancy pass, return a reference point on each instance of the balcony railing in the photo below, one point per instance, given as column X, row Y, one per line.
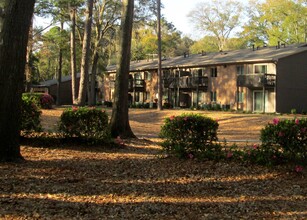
column 136, row 85
column 186, row 82
column 133, row 84
column 256, row 80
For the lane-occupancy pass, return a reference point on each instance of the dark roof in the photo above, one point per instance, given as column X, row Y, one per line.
column 51, row 82
column 262, row 54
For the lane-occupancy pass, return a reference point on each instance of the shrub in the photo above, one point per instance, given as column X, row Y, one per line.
column 190, row 135
column 108, row 104
column 46, row 101
column 167, row 105
column 42, row 100
column 85, row 123
column 286, row 136
column 30, row 115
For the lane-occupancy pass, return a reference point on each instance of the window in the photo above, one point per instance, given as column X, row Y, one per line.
column 240, row 70
column 213, row 96
column 240, row 97
column 214, row 72
column 260, row 69
column 200, row 72
column 148, row 75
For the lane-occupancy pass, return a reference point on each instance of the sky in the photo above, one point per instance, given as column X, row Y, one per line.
column 176, row 11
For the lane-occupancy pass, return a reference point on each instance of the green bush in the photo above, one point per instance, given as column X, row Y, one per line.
column 42, row 100
column 30, row 115
column 288, row 137
column 85, row 123
column 190, row 135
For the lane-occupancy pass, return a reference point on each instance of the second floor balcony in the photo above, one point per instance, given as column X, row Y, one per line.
column 186, row 82
column 137, row 85
column 256, row 80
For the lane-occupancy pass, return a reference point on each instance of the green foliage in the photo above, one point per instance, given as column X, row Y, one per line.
column 30, row 115
column 85, row 123
column 190, row 135
column 42, row 100
column 288, row 137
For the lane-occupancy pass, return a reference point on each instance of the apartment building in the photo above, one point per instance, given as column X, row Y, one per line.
column 258, row 79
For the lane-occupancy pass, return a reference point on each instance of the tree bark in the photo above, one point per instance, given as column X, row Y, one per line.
column 15, row 21
column 120, row 118
column 73, row 56
column 85, row 54
column 59, row 80
column 28, row 68
column 92, row 97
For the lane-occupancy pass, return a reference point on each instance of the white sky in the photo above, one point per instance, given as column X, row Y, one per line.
column 176, row 11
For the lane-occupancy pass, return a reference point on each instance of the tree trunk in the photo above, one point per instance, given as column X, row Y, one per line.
column 59, row 81
column 73, row 57
column 14, row 33
column 120, row 119
column 28, row 68
column 85, row 54
column 160, row 88
column 92, row 97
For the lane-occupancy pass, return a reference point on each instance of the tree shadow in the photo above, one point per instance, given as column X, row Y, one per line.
column 135, row 184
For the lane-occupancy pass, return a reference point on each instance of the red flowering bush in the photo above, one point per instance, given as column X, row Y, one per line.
column 85, row 123
column 46, row 101
column 288, row 137
column 42, row 100
column 190, row 135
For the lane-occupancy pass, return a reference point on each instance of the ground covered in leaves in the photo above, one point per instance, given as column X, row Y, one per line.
column 136, row 181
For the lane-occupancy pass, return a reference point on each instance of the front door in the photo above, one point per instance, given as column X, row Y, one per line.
column 258, row 101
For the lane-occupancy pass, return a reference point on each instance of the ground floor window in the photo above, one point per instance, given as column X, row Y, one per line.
column 213, row 96
column 240, row 97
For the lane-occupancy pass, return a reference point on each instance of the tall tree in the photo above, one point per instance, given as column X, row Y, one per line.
column 217, row 18
column 85, row 59
column 73, row 54
column 285, row 21
column 105, row 16
column 120, row 118
column 15, row 20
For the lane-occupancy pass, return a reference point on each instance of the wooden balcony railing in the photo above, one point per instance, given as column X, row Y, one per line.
column 256, row 80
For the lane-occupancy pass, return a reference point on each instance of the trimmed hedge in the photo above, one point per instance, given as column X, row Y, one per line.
column 85, row 123
column 190, row 135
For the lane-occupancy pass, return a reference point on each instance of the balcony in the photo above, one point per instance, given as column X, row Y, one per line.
column 186, row 82
column 137, row 85
column 256, row 80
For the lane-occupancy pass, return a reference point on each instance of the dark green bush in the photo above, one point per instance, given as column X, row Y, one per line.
column 85, row 123
column 190, row 135
column 288, row 137
column 30, row 115
column 42, row 100
column 167, row 105
column 108, row 104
